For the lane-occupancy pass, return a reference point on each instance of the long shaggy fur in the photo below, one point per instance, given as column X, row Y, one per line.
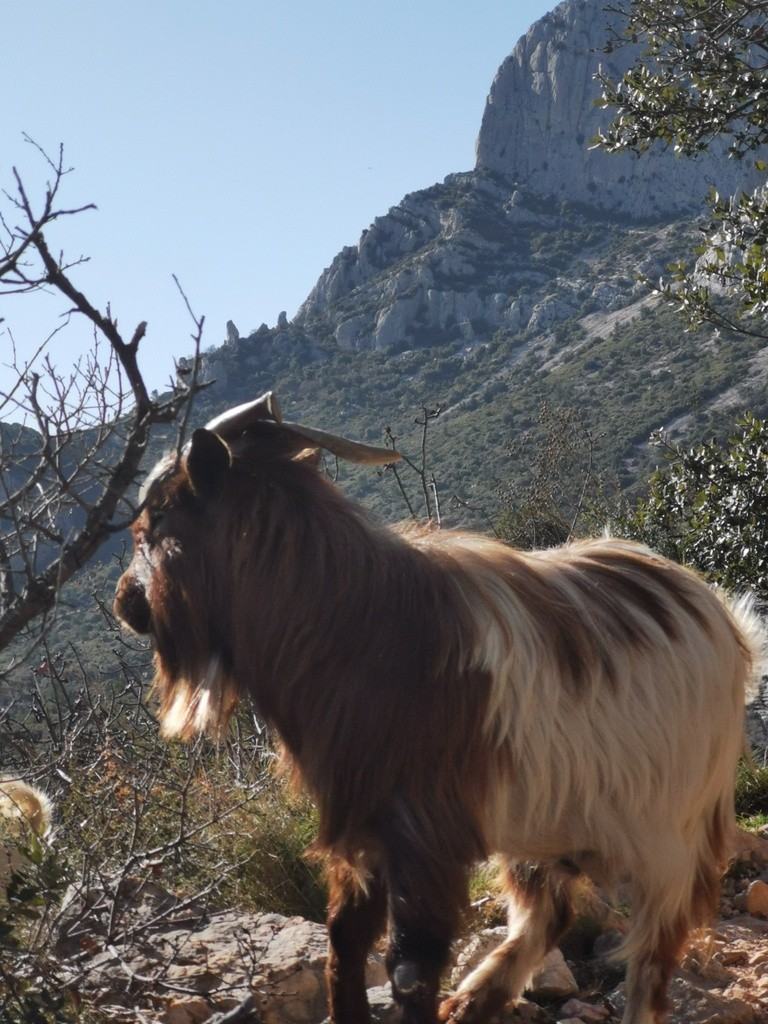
column 23, row 808
column 443, row 697
column 23, row 805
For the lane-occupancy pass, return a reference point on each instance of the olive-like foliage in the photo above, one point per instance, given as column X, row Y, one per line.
column 709, row 508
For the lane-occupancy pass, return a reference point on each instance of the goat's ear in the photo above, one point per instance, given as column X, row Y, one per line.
column 310, row 457
column 207, row 461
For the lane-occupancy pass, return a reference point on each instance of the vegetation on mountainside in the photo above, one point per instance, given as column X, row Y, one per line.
column 645, row 372
column 752, row 796
column 702, row 77
column 709, row 508
column 566, row 490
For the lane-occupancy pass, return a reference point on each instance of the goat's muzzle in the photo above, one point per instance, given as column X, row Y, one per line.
column 131, row 605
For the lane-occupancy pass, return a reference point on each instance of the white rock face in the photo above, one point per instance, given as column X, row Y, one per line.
column 540, row 117
column 548, row 312
column 477, row 254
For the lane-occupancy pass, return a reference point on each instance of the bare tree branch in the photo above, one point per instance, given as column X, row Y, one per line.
column 427, row 481
column 63, row 484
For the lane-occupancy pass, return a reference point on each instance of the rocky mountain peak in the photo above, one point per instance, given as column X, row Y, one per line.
column 540, row 116
column 524, row 241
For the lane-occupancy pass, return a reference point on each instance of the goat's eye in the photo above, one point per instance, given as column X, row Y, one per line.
column 156, row 519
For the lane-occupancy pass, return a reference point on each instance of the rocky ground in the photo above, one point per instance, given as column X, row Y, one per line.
column 173, row 962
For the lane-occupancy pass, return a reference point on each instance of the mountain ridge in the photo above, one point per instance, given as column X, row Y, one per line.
column 446, row 252
column 541, row 116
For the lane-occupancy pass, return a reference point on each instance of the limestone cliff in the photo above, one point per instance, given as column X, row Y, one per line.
column 462, row 259
column 540, row 117
column 467, row 258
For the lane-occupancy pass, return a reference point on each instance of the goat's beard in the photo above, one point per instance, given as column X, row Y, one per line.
column 197, row 693
column 195, row 701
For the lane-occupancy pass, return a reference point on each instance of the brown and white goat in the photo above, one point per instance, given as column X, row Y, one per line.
column 444, row 697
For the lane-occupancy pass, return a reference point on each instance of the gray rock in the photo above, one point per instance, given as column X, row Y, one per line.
column 540, row 118
column 351, row 333
column 474, row 948
column 193, row 963
column 550, row 311
column 757, row 898
column 585, row 1013
column 216, row 959
column 692, row 1003
column 554, row 979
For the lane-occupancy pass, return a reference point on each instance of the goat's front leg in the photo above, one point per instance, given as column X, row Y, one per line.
column 427, row 889
column 356, row 916
column 416, row 957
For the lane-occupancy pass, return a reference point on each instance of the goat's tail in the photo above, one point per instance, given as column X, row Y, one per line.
column 754, row 638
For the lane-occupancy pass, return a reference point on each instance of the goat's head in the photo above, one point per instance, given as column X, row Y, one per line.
column 204, row 513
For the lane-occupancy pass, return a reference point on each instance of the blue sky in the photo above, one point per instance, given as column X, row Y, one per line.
column 237, row 144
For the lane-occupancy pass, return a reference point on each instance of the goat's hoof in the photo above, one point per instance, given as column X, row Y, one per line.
column 406, row 978
column 456, row 1008
column 472, row 1007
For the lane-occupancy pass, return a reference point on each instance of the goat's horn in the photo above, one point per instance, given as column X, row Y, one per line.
column 234, row 421
column 266, row 409
column 352, row 451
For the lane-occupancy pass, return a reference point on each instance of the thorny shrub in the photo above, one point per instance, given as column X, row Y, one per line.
column 216, row 825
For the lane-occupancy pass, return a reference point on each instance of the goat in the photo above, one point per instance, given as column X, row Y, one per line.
column 22, row 807
column 444, row 697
